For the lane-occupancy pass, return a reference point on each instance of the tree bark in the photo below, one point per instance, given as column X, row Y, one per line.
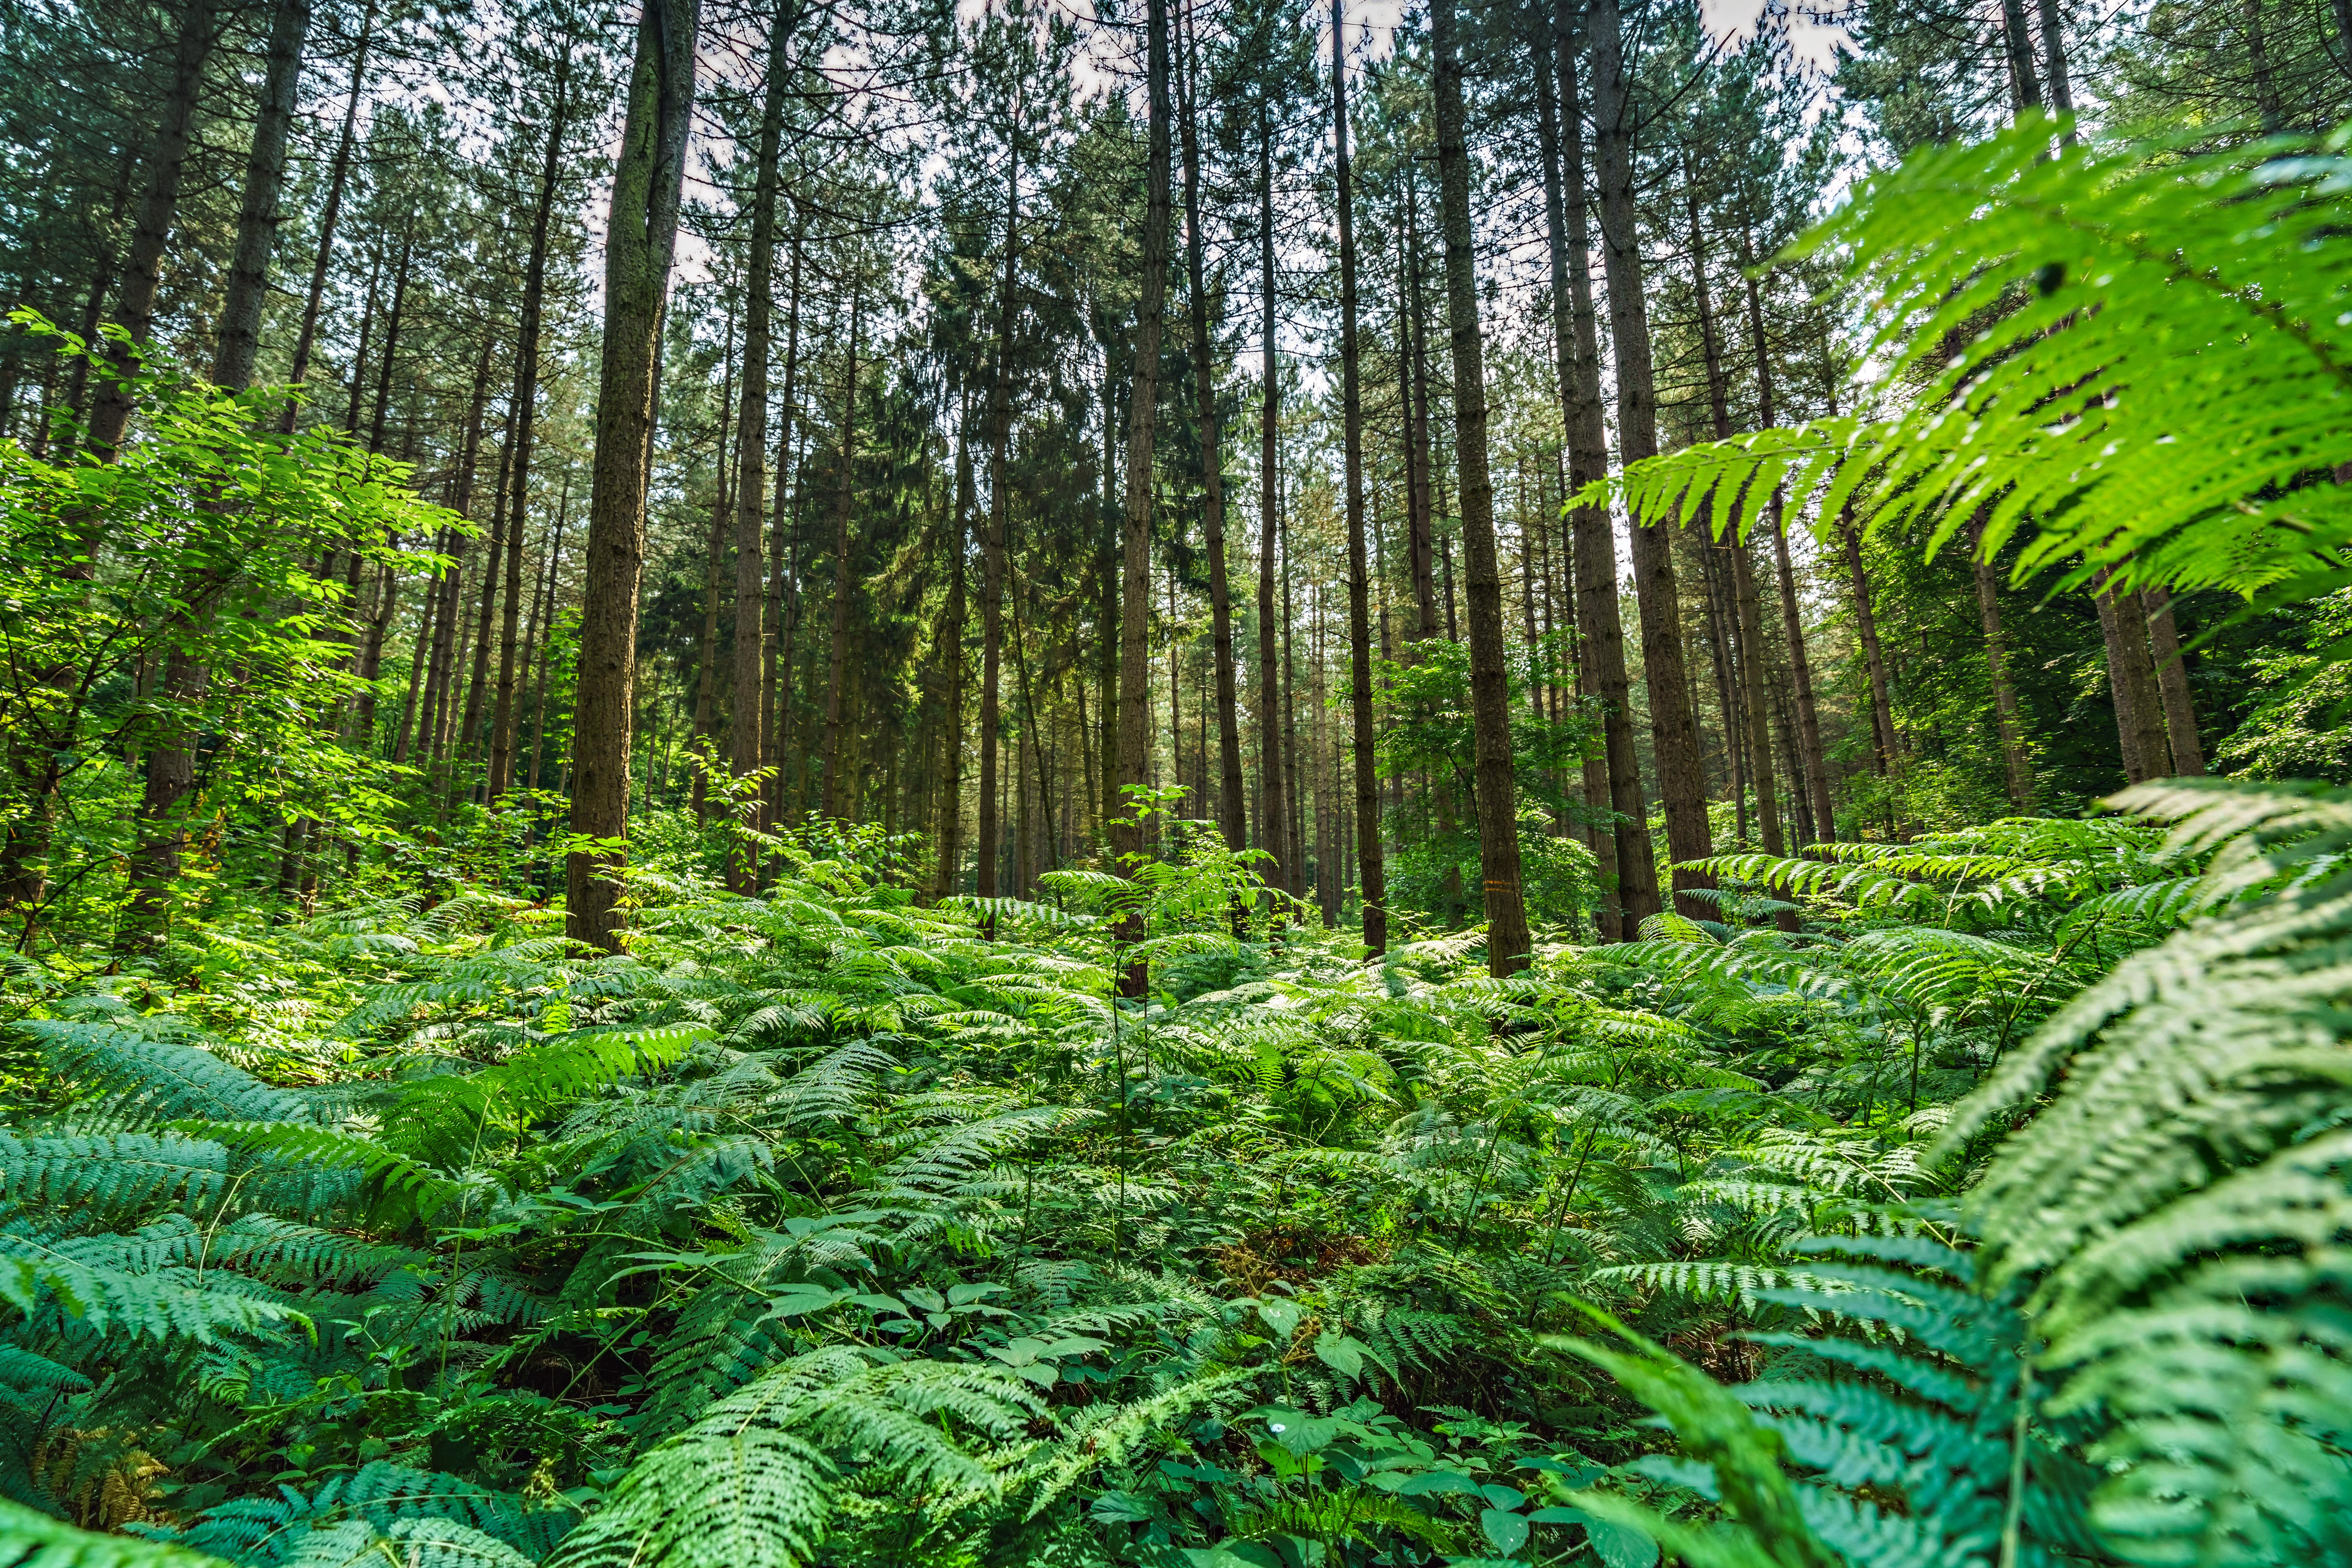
column 1274, row 816
column 775, row 636
column 1508, row 942
column 1673, row 730
column 706, row 682
column 167, row 162
column 526, row 401
column 338, row 177
column 1888, row 750
column 2131, row 679
column 1232, row 817
column 834, row 799
column 2014, row 762
column 1622, row 853
column 951, row 834
column 641, row 237
column 750, row 713
column 2172, row 684
column 1371, row 869
column 992, row 540
column 1413, row 374
column 1815, row 794
column 239, row 340
column 1135, row 718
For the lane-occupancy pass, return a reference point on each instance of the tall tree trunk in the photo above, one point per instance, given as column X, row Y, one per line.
column 1143, row 406
column 1888, row 750
column 835, row 801
column 470, row 733
column 1232, row 817
column 1417, row 441
column 239, row 342
column 642, row 235
column 544, row 621
column 330, row 214
column 706, row 682
column 2025, row 87
column 1508, row 942
column 167, row 162
column 1274, row 816
column 1815, row 793
column 1372, row 869
column 993, row 538
column 1674, row 733
column 2172, row 683
column 748, row 737
column 776, row 637
column 526, row 402
column 950, row 832
column 2131, row 676
column 2014, row 762
column 1622, row 852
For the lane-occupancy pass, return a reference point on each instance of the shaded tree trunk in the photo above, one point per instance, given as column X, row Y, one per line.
column 833, row 798
column 643, row 234
column 1508, row 941
column 2172, row 684
column 706, row 682
column 525, row 403
column 1135, row 718
column 1622, row 852
column 950, row 831
column 992, row 540
column 1673, row 730
column 752, row 628
column 1274, row 816
column 330, row 215
column 167, row 162
column 1371, row 869
column 776, row 634
column 1232, row 817
column 239, row 343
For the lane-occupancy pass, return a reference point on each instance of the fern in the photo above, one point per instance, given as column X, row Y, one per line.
column 2164, row 367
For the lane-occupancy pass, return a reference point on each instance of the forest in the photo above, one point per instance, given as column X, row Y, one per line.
column 1205, row 783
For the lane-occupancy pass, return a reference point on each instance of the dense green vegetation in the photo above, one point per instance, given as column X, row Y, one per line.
column 1893, row 1109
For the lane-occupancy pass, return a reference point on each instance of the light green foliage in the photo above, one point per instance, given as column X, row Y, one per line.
column 2134, row 359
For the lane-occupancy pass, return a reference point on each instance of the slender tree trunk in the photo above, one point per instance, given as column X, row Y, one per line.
column 1232, row 817
column 1417, row 442
column 1815, row 793
column 748, row 736
column 338, row 177
column 2015, row 761
column 1134, row 727
column 836, row 800
column 1748, row 739
column 2131, row 674
column 1673, row 730
column 776, row 635
column 167, row 162
column 1888, row 750
column 1274, row 816
column 239, row 342
column 1370, row 866
column 1508, row 942
column 993, row 541
column 1622, row 852
column 470, row 733
column 706, row 682
column 951, row 834
column 545, row 635
column 643, row 234
column 526, row 402
column 2025, row 87
column 2172, row 683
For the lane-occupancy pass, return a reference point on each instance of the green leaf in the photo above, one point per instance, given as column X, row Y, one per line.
column 1508, row 1531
